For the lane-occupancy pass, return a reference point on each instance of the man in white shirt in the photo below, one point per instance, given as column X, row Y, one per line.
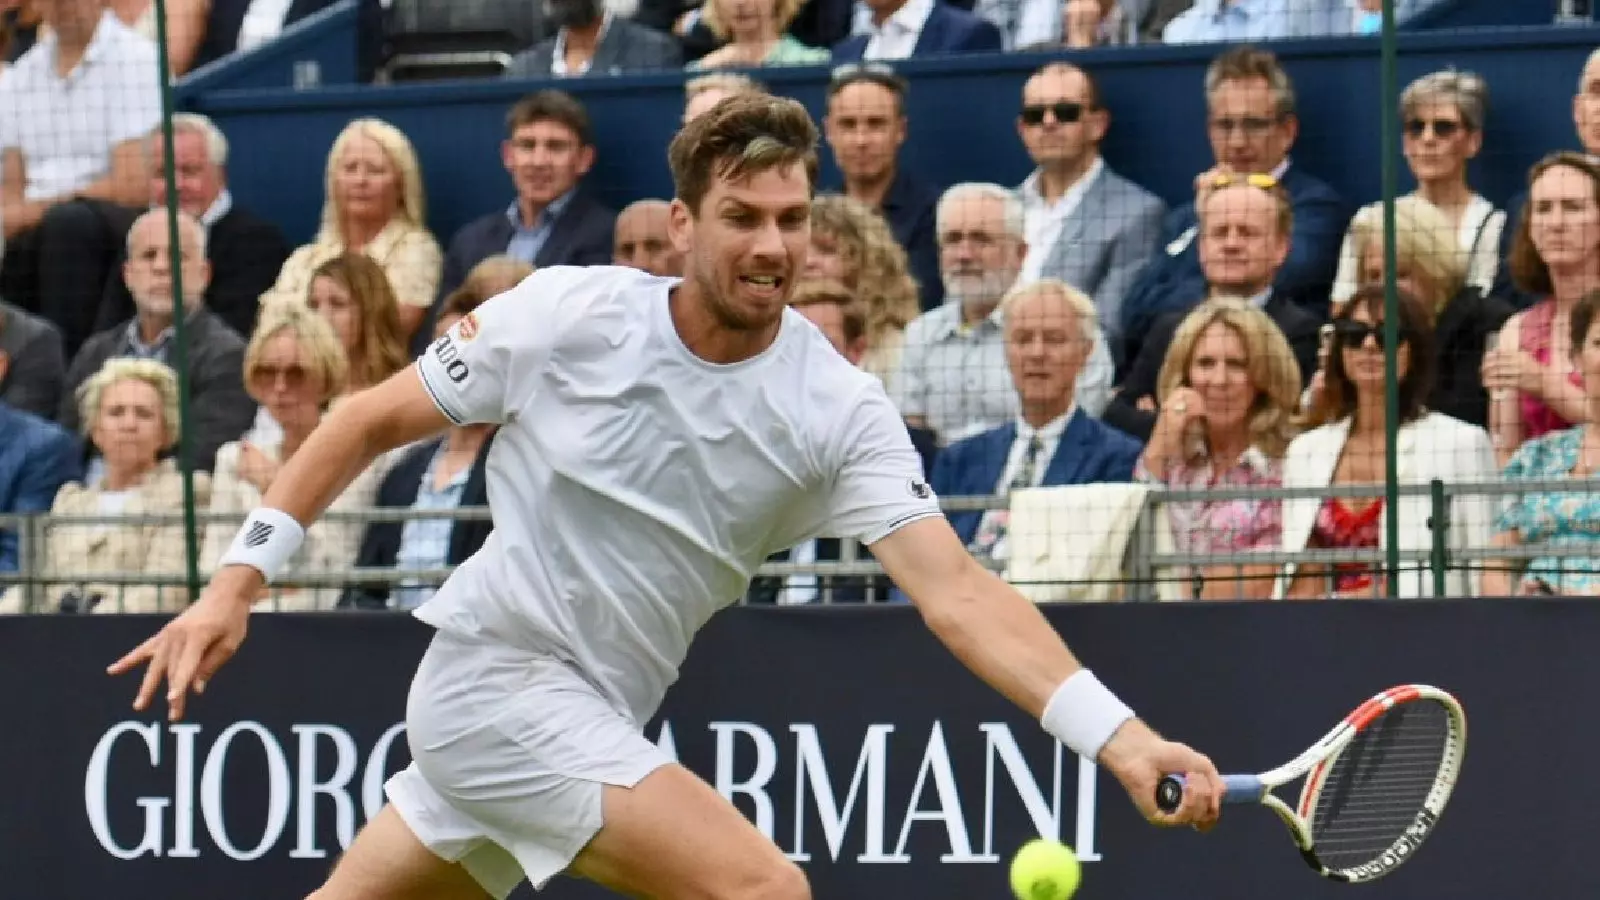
column 660, row 439
column 900, row 29
column 74, row 114
column 952, row 375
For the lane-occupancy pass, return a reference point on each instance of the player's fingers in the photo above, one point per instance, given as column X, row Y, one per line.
column 182, row 675
column 209, row 664
column 153, row 674
column 134, row 657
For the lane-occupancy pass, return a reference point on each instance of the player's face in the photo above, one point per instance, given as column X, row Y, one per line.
column 747, row 244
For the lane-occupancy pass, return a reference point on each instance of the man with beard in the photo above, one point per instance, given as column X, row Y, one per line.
column 659, row 439
column 953, row 376
column 591, row 41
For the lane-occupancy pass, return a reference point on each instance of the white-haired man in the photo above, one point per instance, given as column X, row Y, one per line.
column 953, row 376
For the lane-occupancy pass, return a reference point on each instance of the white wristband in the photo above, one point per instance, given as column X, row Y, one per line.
column 265, row 542
column 1084, row 714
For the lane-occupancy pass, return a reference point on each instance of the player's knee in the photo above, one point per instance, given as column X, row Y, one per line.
column 779, row 880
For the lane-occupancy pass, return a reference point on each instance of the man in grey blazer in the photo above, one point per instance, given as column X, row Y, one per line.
column 1086, row 225
column 591, row 41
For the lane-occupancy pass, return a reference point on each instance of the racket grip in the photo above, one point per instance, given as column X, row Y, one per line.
column 1235, row 789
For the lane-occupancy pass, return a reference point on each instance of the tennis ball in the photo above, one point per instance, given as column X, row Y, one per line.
column 1045, row 870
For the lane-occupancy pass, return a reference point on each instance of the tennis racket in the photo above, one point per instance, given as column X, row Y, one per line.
column 1375, row 785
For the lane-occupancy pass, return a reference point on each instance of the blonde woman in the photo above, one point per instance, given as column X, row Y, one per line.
column 853, row 245
column 1442, row 117
column 374, row 205
column 1227, row 390
column 130, row 413
column 294, row 367
column 754, row 30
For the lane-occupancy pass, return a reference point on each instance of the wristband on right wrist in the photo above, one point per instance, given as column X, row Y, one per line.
column 1084, row 714
column 265, row 542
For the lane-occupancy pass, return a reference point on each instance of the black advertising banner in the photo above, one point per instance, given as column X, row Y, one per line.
column 849, row 735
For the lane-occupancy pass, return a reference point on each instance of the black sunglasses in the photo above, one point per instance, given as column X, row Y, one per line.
column 1065, row 113
column 1354, row 334
column 1442, row 128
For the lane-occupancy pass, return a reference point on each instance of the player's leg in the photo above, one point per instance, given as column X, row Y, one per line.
column 387, row 862
column 671, row 837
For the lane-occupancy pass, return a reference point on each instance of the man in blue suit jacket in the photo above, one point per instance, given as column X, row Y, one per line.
column 36, row 458
column 1252, row 128
column 902, row 28
column 1049, row 331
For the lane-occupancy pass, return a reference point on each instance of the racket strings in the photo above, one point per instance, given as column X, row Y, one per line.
column 1374, row 789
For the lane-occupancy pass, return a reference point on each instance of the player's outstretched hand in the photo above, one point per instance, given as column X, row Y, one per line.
column 1139, row 758
column 190, row 648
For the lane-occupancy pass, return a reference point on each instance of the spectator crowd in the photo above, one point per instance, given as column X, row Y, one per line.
column 1070, row 330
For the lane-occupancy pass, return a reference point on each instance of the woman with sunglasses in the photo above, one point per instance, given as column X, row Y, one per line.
column 1531, row 374
column 1565, row 522
column 294, row 367
column 1430, row 266
column 1443, row 116
column 1348, row 445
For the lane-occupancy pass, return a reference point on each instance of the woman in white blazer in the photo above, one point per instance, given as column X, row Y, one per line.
column 1348, row 446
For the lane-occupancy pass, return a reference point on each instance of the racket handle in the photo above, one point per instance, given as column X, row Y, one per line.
column 1235, row 789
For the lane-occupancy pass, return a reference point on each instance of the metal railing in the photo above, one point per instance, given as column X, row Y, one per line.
column 1144, row 565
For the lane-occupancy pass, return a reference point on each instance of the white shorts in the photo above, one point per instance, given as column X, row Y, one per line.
column 510, row 751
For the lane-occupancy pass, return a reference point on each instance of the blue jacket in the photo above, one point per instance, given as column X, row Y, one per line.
column 1089, row 452
column 36, row 458
column 948, row 30
column 1172, row 280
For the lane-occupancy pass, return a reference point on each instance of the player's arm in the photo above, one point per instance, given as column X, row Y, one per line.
column 1003, row 638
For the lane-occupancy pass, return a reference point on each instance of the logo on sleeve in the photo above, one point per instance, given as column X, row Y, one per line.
column 919, row 489
column 449, row 356
column 467, row 328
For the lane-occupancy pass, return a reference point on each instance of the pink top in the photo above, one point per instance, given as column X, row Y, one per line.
column 1538, row 419
column 1223, row 526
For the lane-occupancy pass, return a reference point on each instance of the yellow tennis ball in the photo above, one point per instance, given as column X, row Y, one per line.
column 1045, row 870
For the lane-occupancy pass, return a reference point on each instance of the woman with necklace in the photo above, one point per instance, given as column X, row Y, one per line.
column 754, row 30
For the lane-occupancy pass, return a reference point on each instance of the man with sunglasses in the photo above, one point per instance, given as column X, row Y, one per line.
column 1085, row 224
column 219, row 409
column 1252, row 125
column 865, row 127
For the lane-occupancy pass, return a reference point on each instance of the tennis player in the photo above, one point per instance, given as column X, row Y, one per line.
column 660, row 439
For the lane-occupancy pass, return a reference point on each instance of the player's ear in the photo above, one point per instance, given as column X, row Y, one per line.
column 680, row 225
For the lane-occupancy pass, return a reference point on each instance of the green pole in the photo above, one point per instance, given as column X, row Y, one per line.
column 180, row 350
column 1388, row 131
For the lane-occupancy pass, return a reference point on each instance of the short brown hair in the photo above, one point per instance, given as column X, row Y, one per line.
column 1246, row 63
column 738, row 138
column 1528, row 270
column 550, row 106
column 817, row 291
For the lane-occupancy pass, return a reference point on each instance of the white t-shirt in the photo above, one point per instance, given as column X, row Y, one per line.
column 636, row 488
